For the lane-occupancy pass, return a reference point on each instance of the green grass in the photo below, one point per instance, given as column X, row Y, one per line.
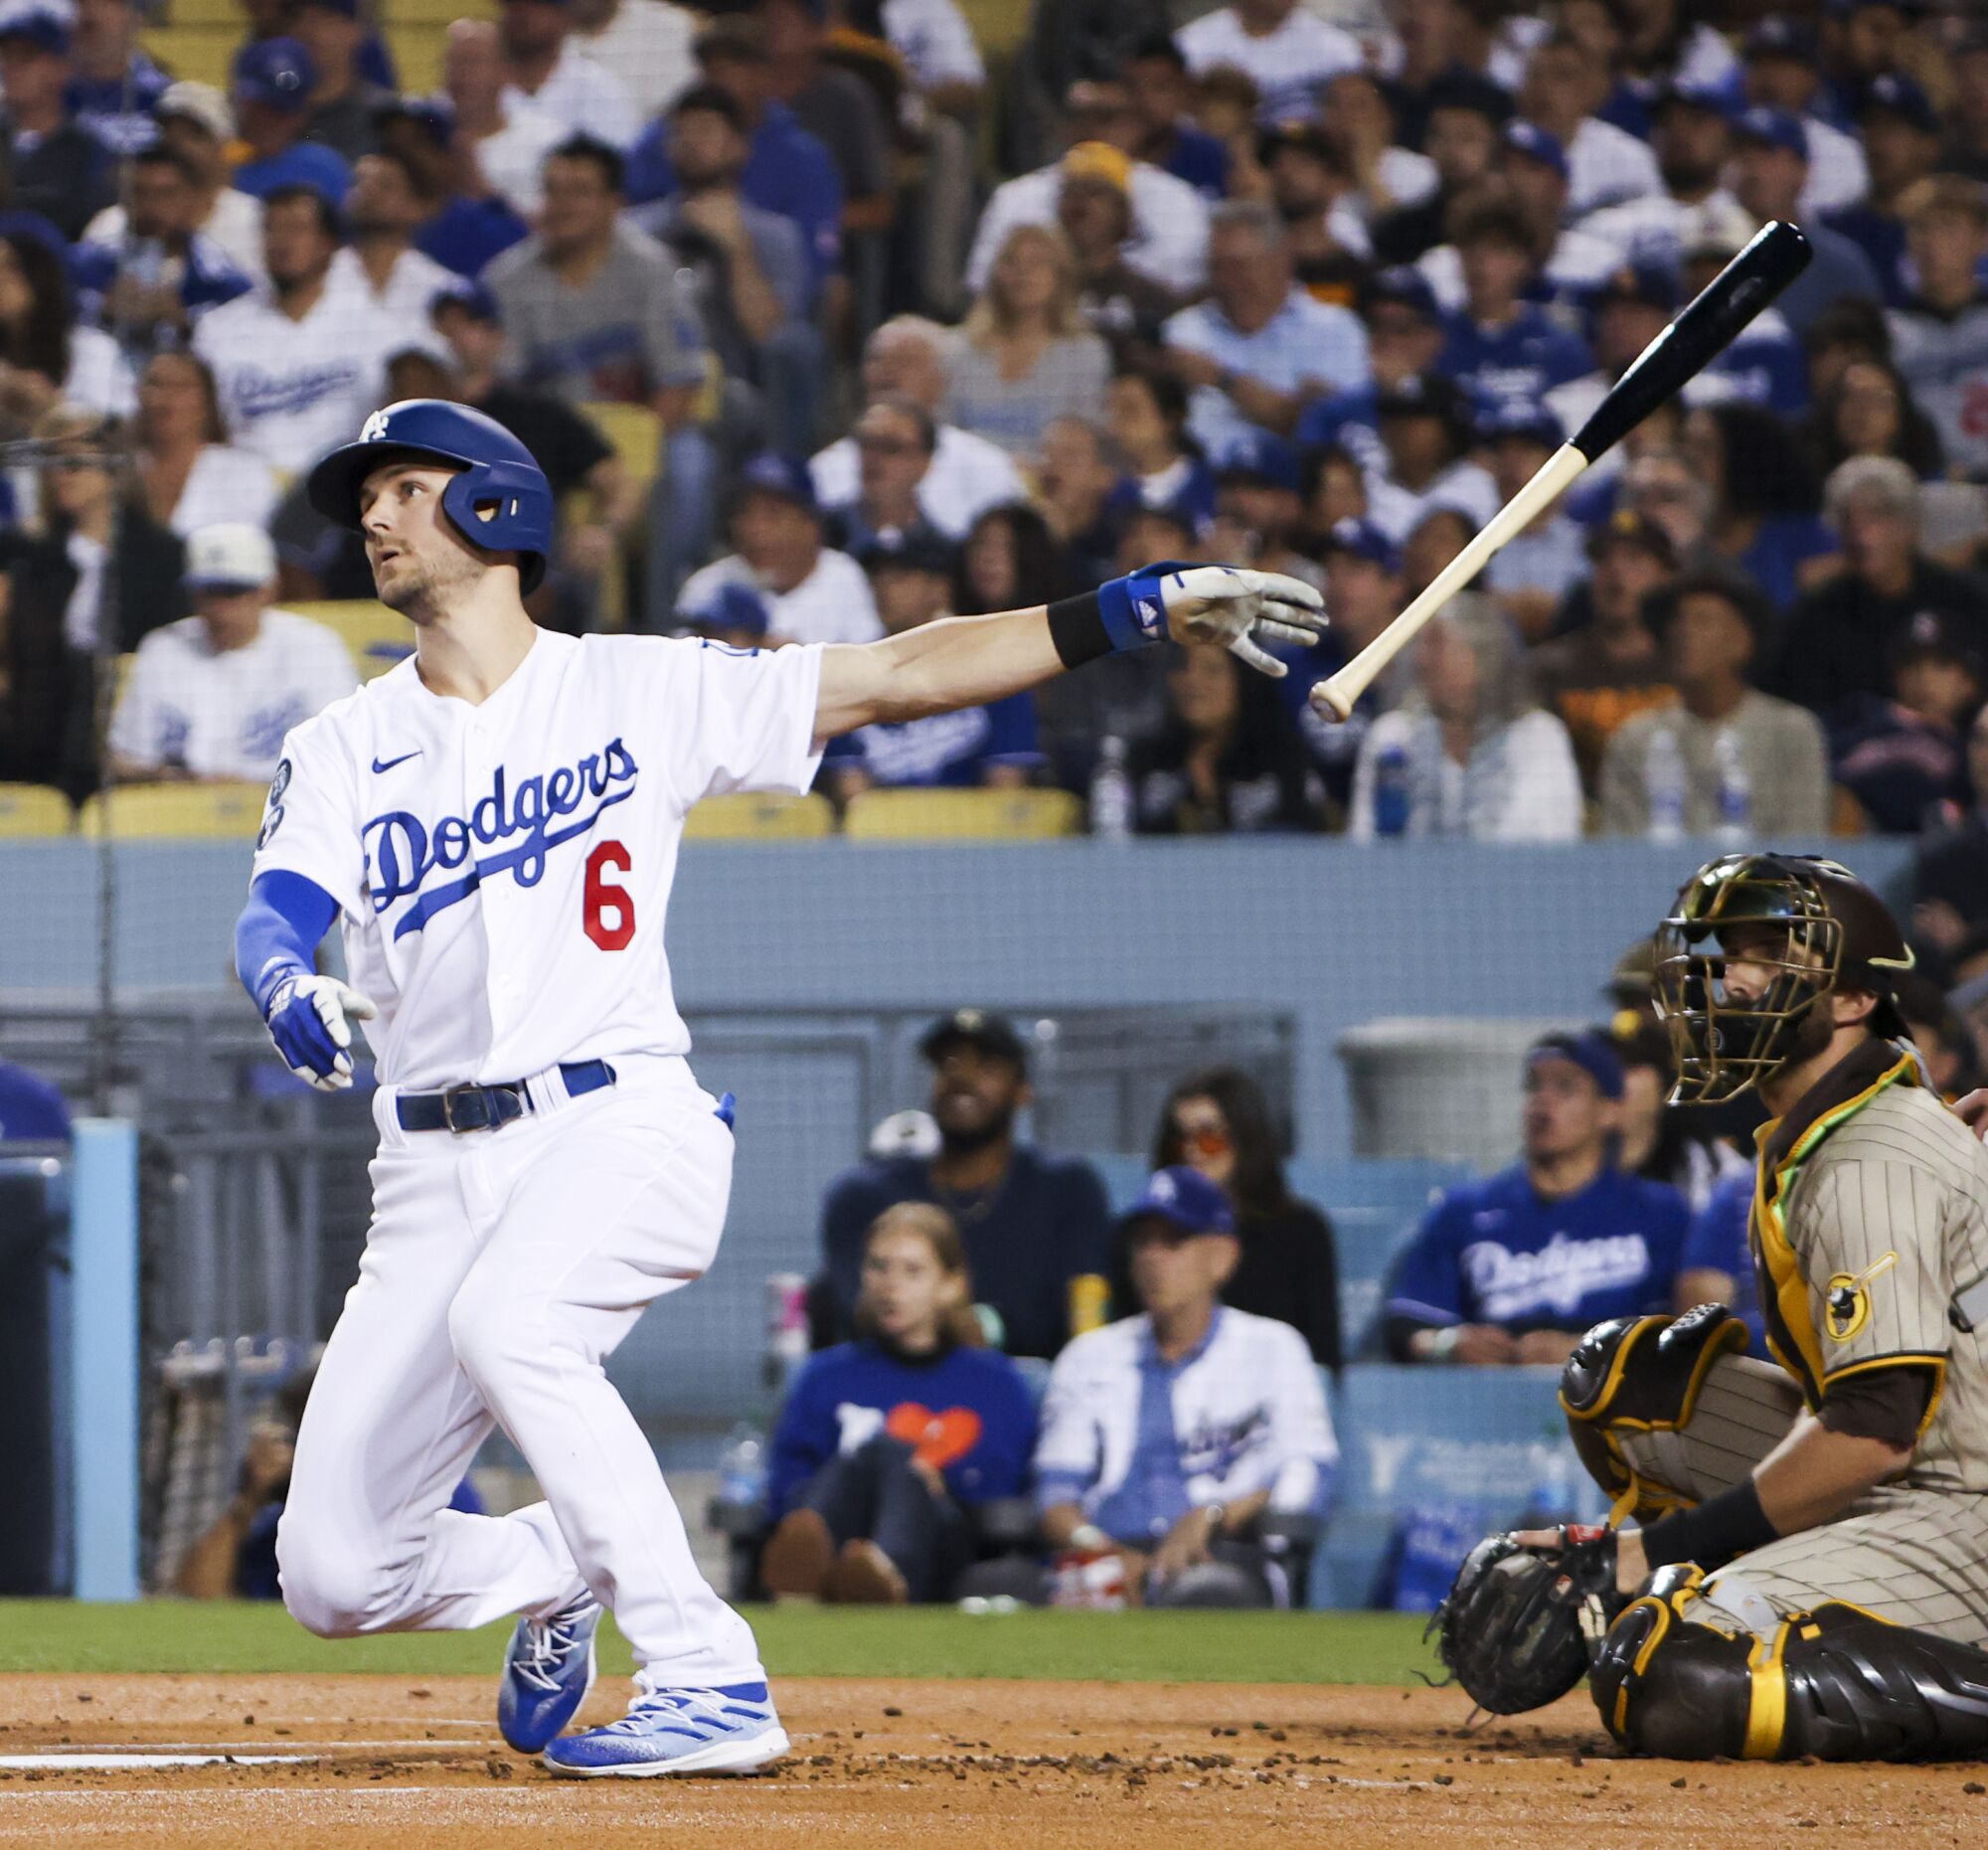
column 932, row 1641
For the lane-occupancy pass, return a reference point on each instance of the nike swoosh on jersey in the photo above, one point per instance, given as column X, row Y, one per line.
column 388, row 765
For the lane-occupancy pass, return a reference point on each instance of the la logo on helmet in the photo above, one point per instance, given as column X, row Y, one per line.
column 374, row 428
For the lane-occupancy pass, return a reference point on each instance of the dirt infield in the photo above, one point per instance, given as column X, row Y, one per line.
column 364, row 1761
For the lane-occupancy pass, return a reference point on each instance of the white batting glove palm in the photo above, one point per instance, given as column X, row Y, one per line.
column 1243, row 610
column 310, row 1018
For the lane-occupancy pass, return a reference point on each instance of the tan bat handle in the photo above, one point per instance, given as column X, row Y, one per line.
column 1337, row 695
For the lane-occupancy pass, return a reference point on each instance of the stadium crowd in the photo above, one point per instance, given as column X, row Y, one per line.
column 823, row 328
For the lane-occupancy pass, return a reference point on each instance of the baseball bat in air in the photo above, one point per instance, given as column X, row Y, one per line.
column 1777, row 255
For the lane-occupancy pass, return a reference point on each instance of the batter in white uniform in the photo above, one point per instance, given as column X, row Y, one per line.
column 495, row 823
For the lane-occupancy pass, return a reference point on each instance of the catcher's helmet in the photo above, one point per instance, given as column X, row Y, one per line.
column 501, row 502
column 1836, row 935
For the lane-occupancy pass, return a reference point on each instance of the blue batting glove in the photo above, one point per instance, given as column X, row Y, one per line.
column 1241, row 609
column 307, row 1017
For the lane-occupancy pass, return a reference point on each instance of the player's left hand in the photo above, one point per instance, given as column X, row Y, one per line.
column 1631, row 1569
column 1972, row 1112
column 308, row 1021
column 1239, row 608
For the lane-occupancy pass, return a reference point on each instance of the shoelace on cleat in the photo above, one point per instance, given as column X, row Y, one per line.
column 697, row 1712
column 547, row 1642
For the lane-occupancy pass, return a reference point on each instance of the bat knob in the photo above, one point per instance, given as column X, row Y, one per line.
column 1329, row 702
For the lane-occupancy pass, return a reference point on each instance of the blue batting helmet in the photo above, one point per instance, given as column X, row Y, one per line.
column 496, row 470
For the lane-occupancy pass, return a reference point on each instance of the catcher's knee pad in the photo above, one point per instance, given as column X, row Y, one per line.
column 1640, row 1374
column 1834, row 1683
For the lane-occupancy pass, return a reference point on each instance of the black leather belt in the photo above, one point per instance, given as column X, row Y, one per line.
column 485, row 1108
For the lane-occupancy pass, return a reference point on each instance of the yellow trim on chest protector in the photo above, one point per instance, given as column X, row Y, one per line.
column 1776, row 1253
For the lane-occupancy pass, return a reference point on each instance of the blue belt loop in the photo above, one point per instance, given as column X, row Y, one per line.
column 727, row 1110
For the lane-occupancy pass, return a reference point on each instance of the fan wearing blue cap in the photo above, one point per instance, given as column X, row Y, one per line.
column 343, row 101
column 56, row 168
column 1781, row 68
column 1514, row 1268
column 992, row 747
column 1901, row 134
column 816, row 592
column 1691, row 134
column 270, row 88
column 1405, row 334
column 1770, row 172
column 1191, row 1439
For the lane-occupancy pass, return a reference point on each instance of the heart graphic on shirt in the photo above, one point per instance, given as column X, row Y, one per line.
column 939, row 1440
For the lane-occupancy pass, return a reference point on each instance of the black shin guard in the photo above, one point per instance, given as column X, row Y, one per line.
column 1834, row 1683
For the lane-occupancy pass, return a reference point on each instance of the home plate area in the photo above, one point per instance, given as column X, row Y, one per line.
column 360, row 1760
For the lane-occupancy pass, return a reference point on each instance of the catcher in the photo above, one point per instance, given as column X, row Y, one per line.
column 1810, row 1573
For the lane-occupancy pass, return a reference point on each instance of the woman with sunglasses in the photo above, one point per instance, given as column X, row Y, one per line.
column 1218, row 1122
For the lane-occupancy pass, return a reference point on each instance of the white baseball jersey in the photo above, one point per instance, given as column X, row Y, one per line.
column 1243, row 1412
column 225, row 713
column 293, row 390
column 503, row 869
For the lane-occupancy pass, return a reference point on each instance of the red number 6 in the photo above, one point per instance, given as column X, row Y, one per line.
column 603, row 897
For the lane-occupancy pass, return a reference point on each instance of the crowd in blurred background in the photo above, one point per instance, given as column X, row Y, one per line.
column 824, row 326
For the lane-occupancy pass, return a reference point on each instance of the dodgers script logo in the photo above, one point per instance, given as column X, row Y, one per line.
column 402, row 851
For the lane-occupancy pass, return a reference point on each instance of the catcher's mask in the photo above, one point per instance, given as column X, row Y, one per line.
column 1812, row 923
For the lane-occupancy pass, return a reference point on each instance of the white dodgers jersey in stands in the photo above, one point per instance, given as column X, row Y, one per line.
column 503, row 869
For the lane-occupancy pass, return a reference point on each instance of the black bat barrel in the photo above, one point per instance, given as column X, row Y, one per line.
column 1777, row 255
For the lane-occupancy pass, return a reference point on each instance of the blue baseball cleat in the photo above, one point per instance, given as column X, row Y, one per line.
column 546, row 1673
column 677, row 1730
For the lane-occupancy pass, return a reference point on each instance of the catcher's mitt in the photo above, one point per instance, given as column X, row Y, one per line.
column 1517, row 1624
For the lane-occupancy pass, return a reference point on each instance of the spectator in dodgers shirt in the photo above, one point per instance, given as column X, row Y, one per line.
column 299, row 365
column 1173, row 1437
column 991, row 746
column 212, row 696
column 1514, row 1268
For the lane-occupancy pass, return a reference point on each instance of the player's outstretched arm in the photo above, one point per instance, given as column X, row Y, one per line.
column 967, row 661
column 275, row 940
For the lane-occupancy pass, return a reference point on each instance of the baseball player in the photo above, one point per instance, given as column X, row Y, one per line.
column 1816, row 1530
column 495, row 823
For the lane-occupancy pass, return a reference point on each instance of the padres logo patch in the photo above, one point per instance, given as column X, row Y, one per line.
column 1847, row 1304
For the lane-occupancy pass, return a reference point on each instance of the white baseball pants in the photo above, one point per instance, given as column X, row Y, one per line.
column 502, row 1267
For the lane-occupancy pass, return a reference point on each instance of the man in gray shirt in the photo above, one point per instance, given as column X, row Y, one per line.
column 592, row 311
column 750, row 272
column 1726, row 758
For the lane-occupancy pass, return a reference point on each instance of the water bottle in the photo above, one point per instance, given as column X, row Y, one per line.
column 1391, row 797
column 1736, row 788
column 1664, row 781
column 741, row 1469
column 1112, row 792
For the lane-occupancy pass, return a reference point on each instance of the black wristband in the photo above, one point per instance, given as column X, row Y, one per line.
column 1077, row 627
column 1732, row 1523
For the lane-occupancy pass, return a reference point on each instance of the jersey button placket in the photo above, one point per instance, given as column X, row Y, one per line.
column 480, row 761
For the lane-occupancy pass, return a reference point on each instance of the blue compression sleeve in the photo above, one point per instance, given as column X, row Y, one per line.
column 278, row 931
